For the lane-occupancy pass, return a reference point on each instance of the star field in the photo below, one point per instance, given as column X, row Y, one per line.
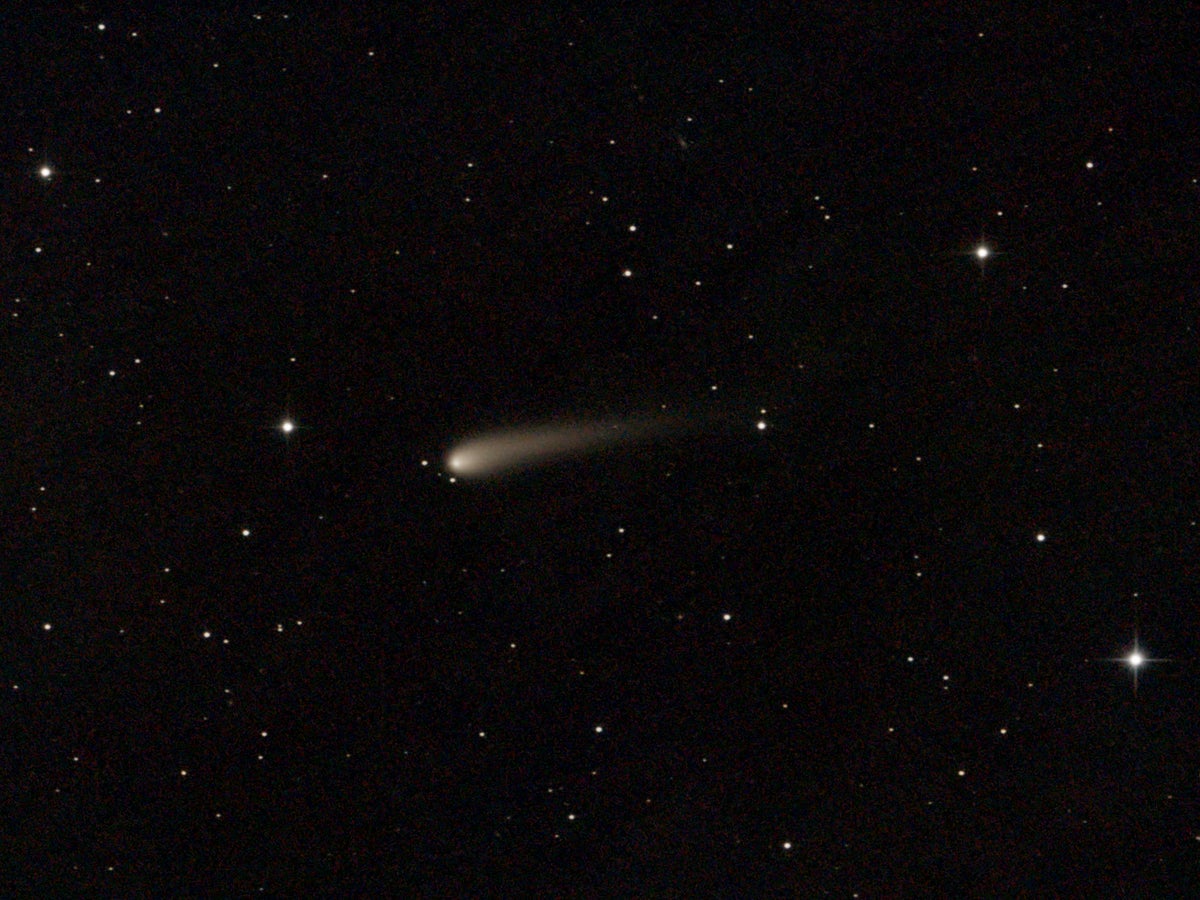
column 550, row 453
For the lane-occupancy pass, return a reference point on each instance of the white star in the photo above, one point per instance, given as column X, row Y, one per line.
column 982, row 252
column 1134, row 660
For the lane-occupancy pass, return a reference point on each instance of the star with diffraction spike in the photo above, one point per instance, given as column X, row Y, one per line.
column 1135, row 660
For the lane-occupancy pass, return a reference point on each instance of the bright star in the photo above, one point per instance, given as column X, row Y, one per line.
column 982, row 252
column 1134, row 660
column 287, row 424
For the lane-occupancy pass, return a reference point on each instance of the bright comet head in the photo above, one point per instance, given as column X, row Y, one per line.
column 504, row 452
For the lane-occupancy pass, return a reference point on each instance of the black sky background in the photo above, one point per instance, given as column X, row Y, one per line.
column 827, row 658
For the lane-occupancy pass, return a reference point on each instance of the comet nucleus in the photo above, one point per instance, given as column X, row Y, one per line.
column 508, row 451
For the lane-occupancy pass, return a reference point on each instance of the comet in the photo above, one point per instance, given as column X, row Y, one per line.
column 508, row 451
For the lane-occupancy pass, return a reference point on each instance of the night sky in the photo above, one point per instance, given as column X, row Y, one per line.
column 837, row 381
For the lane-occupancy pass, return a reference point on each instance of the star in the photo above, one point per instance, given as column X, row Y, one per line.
column 982, row 251
column 1135, row 660
column 287, row 424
